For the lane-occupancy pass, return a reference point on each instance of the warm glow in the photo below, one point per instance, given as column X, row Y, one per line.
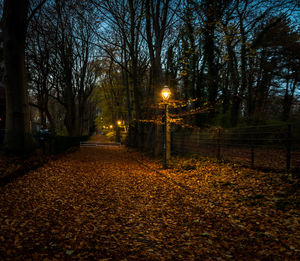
column 119, row 122
column 110, row 126
column 166, row 93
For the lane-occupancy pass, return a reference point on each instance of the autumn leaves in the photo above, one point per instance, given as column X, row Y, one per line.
column 101, row 203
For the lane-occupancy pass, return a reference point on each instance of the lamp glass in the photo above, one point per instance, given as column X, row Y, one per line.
column 166, row 93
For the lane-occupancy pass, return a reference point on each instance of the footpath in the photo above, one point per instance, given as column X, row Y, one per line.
column 101, row 203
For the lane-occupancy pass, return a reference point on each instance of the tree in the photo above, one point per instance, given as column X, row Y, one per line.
column 40, row 59
column 159, row 18
column 110, row 94
column 18, row 137
column 279, row 51
column 74, row 62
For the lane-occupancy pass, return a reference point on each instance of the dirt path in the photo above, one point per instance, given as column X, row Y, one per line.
column 102, row 204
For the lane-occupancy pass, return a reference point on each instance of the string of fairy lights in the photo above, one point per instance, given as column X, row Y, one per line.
column 178, row 118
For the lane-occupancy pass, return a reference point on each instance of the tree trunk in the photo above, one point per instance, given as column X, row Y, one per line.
column 156, row 24
column 250, row 98
column 210, row 54
column 236, row 100
column 18, row 136
column 233, row 71
column 288, row 100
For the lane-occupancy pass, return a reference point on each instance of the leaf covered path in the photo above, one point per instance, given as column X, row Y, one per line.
column 103, row 204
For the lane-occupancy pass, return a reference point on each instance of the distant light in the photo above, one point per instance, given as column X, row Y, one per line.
column 166, row 93
column 119, row 122
column 110, row 126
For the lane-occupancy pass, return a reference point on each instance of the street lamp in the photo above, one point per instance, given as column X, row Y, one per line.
column 165, row 93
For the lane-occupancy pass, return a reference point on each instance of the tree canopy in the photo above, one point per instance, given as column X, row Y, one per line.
column 234, row 62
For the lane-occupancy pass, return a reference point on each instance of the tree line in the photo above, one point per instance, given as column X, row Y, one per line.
column 68, row 62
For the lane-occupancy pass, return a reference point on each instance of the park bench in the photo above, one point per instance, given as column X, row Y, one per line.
column 99, row 144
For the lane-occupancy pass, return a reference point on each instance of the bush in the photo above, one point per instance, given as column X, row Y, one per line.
column 59, row 144
column 1, row 136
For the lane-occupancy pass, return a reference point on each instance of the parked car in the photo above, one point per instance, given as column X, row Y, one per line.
column 43, row 134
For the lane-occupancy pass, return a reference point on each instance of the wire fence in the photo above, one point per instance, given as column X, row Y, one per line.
column 270, row 147
column 274, row 147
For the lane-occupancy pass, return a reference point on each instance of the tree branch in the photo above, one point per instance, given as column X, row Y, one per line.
column 33, row 12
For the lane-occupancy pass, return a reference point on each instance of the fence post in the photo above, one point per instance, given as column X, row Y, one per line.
column 288, row 148
column 252, row 148
column 219, row 144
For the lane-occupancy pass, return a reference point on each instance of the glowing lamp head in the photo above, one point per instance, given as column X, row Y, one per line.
column 110, row 126
column 165, row 93
column 119, row 123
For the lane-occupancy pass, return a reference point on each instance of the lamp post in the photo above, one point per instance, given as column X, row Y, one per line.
column 118, row 131
column 165, row 93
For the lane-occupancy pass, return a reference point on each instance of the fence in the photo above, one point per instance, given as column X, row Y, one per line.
column 273, row 147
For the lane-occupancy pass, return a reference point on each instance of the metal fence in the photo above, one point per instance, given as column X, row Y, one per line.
column 275, row 147
column 271, row 147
